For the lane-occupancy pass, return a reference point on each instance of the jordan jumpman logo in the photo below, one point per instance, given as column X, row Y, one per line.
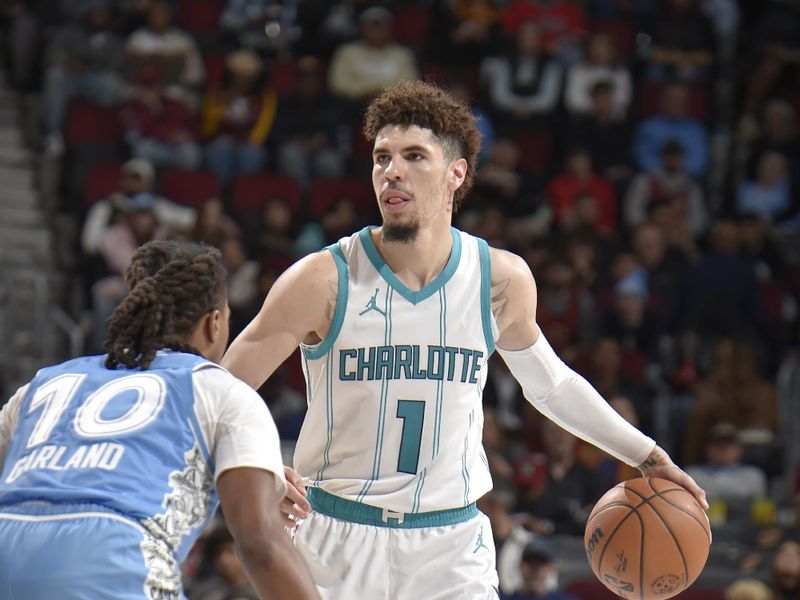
column 479, row 542
column 373, row 305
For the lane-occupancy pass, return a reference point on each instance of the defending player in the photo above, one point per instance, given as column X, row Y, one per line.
column 110, row 463
column 396, row 324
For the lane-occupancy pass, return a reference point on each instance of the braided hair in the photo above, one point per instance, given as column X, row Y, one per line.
column 172, row 284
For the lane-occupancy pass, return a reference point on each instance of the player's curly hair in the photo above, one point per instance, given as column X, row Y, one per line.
column 429, row 107
column 172, row 286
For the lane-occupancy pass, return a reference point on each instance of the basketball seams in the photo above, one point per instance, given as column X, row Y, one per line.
column 593, row 516
column 633, row 511
column 705, row 529
column 669, row 529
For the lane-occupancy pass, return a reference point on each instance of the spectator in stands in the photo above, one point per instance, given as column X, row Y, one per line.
column 722, row 475
column 733, row 391
column 84, row 60
column 562, row 21
column 238, row 117
column 578, row 179
column 776, row 50
column 342, row 217
column 266, row 26
column 213, row 225
column 617, row 373
column 137, row 177
column 461, row 90
column 160, row 129
column 501, row 180
column 672, row 124
column 539, row 574
column 311, row 128
column 669, row 183
column 631, row 322
column 227, row 579
column 770, row 194
column 466, row 30
column 683, row 43
column 600, row 64
column 172, row 51
column 605, row 134
column 572, row 488
column 666, row 271
column 778, row 132
column 565, row 311
column 723, row 296
column 748, row 589
column 242, row 279
column 524, row 85
column 786, row 571
column 361, row 68
column 137, row 225
column 510, row 536
column 274, row 232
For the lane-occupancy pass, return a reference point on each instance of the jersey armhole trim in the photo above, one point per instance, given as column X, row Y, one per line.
column 321, row 349
column 486, row 295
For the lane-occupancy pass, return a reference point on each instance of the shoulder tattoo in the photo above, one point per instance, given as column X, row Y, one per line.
column 333, row 294
column 499, row 297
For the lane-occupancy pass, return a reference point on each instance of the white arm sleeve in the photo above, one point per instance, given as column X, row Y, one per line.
column 9, row 416
column 236, row 425
column 565, row 397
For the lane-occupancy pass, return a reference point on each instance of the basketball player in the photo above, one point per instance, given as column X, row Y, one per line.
column 396, row 324
column 110, row 463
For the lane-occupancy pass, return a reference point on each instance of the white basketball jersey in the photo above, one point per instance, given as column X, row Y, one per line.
column 394, row 390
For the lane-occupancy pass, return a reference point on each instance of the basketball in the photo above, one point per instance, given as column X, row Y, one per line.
column 647, row 539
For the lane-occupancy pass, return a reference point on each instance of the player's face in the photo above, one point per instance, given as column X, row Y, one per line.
column 410, row 173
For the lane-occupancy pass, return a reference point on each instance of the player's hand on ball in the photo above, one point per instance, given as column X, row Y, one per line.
column 659, row 464
column 294, row 505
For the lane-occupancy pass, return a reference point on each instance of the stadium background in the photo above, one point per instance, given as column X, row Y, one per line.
column 643, row 156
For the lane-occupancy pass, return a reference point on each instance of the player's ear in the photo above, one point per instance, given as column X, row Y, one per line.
column 212, row 325
column 458, row 172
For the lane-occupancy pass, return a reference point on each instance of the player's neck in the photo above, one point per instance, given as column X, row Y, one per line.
column 418, row 262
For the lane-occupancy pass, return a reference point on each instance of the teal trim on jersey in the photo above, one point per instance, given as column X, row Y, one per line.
column 329, row 415
column 439, row 384
column 387, row 337
column 418, row 491
column 383, row 269
column 464, row 468
column 486, row 295
column 357, row 512
column 317, row 352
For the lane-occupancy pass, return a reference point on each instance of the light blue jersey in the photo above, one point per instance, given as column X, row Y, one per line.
column 138, row 450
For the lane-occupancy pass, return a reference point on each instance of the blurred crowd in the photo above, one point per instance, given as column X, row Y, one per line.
column 643, row 156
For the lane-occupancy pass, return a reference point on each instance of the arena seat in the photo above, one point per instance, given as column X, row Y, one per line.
column 200, row 16
column 102, row 180
column 251, row 192
column 412, row 24
column 188, row 187
column 89, row 122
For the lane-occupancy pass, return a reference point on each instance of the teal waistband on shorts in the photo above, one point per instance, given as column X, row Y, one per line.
column 356, row 512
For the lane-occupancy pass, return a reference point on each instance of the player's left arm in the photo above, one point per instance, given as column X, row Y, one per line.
column 557, row 391
column 9, row 416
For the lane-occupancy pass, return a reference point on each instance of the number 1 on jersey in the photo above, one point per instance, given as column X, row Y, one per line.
column 413, row 413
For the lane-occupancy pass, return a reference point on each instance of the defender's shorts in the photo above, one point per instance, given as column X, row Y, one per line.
column 81, row 552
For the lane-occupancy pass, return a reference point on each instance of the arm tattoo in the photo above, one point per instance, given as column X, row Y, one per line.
column 499, row 297
column 330, row 306
column 650, row 462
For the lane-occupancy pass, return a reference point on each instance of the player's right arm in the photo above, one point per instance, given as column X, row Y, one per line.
column 299, row 308
column 9, row 416
column 250, row 503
